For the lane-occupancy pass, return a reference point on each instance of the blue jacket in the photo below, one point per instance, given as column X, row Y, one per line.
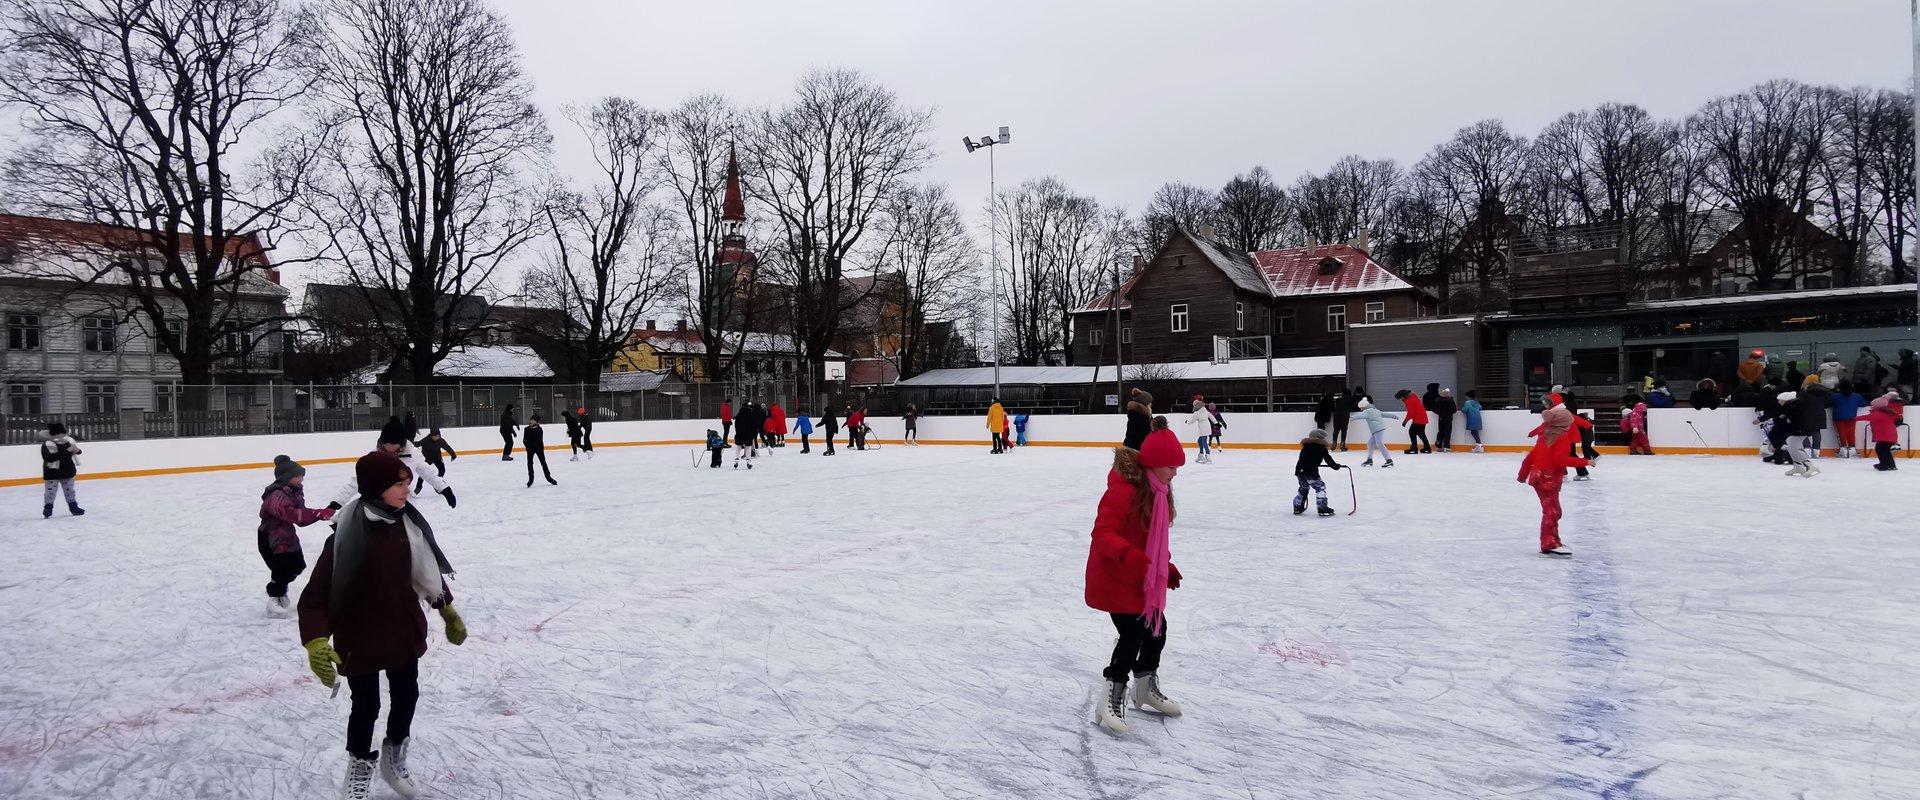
column 1376, row 420
column 1472, row 410
column 1660, row 398
column 1847, row 406
column 801, row 424
column 714, row 442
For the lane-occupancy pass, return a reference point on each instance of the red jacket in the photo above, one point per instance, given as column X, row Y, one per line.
column 1552, row 455
column 856, row 419
column 1416, row 410
column 1883, row 420
column 726, row 412
column 776, row 420
column 1117, row 558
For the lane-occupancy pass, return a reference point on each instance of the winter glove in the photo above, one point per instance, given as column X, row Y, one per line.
column 321, row 659
column 448, row 493
column 333, row 506
column 326, row 514
column 1173, row 581
column 456, row 628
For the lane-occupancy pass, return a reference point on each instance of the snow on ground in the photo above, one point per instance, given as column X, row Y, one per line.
column 908, row 623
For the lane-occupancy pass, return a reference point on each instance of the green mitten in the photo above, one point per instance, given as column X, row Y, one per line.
column 321, row 659
column 456, row 628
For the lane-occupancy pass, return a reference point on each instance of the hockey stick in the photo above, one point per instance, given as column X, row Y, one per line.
column 1703, row 439
column 1354, row 491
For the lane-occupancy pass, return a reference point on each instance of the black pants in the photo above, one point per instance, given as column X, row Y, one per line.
column 1340, row 430
column 857, row 439
column 541, row 454
column 1885, row 451
column 805, row 445
column 506, row 447
column 726, row 431
column 1138, row 650
column 586, row 439
column 284, row 567
column 717, row 453
column 439, row 466
column 403, row 683
column 1417, row 438
column 999, row 442
column 913, row 433
column 573, row 444
column 829, row 437
column 1443, row 437
column 1583, row 448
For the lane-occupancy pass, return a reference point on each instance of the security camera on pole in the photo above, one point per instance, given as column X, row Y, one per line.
column 993, row 243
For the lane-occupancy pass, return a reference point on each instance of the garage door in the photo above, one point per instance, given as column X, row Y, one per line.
column 1390, row 372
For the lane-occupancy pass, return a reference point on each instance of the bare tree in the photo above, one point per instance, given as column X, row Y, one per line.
column 1470, row 179
column 1673, row 187
column 1252, row 211
column 1061, row 249
column 723, row 298
column 1766, row 147
column 1858, row 120
column 425, row 197
column 1354, row 195
column 607, row 268
column 929, row 271
column 825, row 165
column 1890, row 172
column 1175, row 205
column 138, row 115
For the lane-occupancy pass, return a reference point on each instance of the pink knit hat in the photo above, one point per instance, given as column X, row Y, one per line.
column 1162, row 449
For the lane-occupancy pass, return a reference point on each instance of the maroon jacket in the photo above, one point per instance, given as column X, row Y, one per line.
column 380, row 624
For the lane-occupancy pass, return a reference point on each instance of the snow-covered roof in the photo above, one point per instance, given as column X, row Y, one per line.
column 1296, row 271
column 632, row 381
column 515, row 362
column 689, row 343
column 1301, row 367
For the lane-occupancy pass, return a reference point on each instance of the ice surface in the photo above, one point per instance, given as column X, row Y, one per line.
column 908, row 623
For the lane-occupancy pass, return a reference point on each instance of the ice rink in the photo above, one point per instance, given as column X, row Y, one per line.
column 908, row 623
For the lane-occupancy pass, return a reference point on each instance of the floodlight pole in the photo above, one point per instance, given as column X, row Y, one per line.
column 993, row 244
column 1914, row 265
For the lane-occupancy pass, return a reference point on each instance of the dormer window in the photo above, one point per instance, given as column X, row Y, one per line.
column 1330, row 266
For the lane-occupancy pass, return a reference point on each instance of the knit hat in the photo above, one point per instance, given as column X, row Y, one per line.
column 1316, row 435
column 286, row 469
column 377, row 471
column 394, row 432
column 1363, row 404
column 1162, row 449
column 1786, row 397
column 56, row 429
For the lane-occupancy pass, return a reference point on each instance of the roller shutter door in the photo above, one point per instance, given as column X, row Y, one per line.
column 1390, row 372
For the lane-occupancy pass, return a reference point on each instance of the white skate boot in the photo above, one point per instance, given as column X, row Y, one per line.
column 1811, row 470
column 279, row 607
column 1147, row 696
column 576, row 457
column 1798, row 470
column 1110, row 708
column 359, row 785
column 1479, row 448
column 393, row 767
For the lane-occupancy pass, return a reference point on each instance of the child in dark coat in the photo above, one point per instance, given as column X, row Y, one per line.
column 360, row 615
column 58, row 466
column 1313, row 453
column 283, row 507
column 432, row 448
column 717, row 446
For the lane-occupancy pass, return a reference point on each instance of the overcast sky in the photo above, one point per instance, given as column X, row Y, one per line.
column 1118, row 97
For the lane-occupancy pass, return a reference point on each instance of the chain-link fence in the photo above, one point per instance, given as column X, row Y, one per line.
column 275, row 408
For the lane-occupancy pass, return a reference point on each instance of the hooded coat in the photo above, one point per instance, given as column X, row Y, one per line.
column 1883, row 420
column 1867, row 367
column 1831, row 373
column 996, row 418
column 1814, row 401
column 1551, row 453
column 283, row 507
column 1117, row 556
column 1139, row 420
column 1416, row 410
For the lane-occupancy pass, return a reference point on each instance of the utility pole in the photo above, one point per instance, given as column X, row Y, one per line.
column 993, row 241
column 1914, row 7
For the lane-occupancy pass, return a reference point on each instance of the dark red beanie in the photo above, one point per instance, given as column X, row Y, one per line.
column 378, row 470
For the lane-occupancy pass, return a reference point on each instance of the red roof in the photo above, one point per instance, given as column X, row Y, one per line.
column 1298, row 271
column 1106, row 300
column 733, row 208
column 18, row 228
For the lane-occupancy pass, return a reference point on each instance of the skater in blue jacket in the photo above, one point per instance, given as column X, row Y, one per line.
column 1376, row 431
column 1471, row 410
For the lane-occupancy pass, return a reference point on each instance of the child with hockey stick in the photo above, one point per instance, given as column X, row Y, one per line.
column 432, row 449
column 533, row 439
column 380, row 564
column 1313, row 453
column 804, row 426
column 1545, row 469
column 857, row 427
column 58, row 466
column 1885, row 415
column 1129, row 570
column 393, row 441
column 283, row 507
column 1471, row 411
column 1203, row 422
column 717, row 446
column 1376, row 431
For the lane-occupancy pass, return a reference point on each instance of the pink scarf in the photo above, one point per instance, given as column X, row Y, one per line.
column 1159, row 558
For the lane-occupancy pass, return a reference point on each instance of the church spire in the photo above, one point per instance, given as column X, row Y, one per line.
column 732, row 209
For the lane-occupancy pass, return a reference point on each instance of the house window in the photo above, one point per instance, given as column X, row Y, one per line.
column 1377, row 312
column 96, row 334
column 1097, row 336
column 1179, row 317
column 166, row 397
column 178, row 330
column 23, row 399
column 1126, row 335
column 1819, row 282
column 23, row 331
column 1239, row 317
column 1283, row 321
column 1336, row 318
column 102, row 398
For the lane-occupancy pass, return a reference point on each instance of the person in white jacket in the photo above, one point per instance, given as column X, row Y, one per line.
column 1202, row 420
column 393, row 439
column 1376, row 432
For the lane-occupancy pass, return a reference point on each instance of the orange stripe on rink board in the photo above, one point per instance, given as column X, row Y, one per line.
column 1492, row 448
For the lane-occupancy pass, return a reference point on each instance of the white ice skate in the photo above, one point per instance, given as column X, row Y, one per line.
column 279, row 607
column 576, row 457
column 393, row 767
column 1811, row 470
column 1479, row 448
column 1798, row 470
column 359, row 784
column 1110, row 708
column 1147, row 696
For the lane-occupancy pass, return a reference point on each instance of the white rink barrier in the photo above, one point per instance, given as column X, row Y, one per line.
column 1720, row 432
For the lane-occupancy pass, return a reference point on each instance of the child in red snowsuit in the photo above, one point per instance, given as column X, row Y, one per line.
column 1545, row 469
column 1883, row 421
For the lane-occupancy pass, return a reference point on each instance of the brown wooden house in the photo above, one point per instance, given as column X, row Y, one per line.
column 1195, row 288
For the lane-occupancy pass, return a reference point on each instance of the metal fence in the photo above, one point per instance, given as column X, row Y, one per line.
column 275, row 408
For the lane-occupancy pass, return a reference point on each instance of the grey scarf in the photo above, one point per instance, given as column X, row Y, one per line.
column 350, row 545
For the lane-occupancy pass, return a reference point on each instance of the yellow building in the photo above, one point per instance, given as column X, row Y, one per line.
column 682, row 353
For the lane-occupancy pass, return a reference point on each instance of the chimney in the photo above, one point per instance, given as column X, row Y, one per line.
column 1206, row 232
column 1139, row 263
column 1312, row 241
column 650, row 326
column 680, row 325
column 1361, row 242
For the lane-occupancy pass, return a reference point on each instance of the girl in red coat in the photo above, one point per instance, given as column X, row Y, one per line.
column 1883, row 420
column 776, row 426
column 1545, row 469
column 1130, row 569
column 1415, row 422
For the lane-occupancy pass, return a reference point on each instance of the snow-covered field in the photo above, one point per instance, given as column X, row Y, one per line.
column 908, row 623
